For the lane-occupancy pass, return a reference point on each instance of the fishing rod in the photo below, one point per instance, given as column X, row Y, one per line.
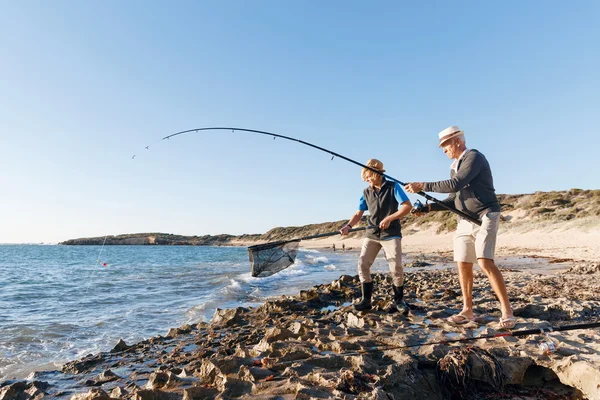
column 334, row 154
column 525, row 332
column 270, row 245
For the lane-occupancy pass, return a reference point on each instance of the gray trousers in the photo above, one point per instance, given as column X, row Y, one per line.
column 393, row 253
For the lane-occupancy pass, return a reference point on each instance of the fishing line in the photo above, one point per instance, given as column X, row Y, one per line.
column 333, row 155
column 89, row 283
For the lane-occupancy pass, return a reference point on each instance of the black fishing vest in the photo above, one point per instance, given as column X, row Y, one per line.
column 380, row 206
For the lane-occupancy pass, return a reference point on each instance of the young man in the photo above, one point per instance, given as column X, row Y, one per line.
column 471, row 189
column 386, row 203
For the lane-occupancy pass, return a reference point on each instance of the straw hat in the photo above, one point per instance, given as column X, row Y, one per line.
column 449, row 133
column 375, row 164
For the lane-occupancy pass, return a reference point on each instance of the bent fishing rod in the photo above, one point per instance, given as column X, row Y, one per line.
column 334, row 154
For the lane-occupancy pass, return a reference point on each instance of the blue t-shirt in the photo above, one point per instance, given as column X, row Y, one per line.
column 399, row 194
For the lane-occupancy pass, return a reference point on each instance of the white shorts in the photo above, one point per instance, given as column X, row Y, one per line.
column 473, row 241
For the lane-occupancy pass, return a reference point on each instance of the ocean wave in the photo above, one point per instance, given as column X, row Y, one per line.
column 316, row 260
column 303, row 250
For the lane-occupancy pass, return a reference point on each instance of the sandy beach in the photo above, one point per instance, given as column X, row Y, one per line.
column 575, row 241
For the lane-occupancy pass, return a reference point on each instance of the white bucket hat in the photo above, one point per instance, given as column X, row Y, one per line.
column 449, row 133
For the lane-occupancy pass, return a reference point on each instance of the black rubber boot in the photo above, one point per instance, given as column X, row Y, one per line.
column 399, row 303
column 365, row 303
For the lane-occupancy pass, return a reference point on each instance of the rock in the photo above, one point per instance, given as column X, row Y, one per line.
column 84, row 365
column 161, row 380
column 93, row 394
column 210, row 374
column 344, row 347
column 118, row 392
column 104, row 377
column 233, row 387
column 278, row 334
column 582, row 375
column 353, row 321
column 23, row 390
column 363, row 364
column 120, row 346
column 299, row 328
column 14, row 391
column 310, row 393
column 155, row 394
column 182, row 330
column 200, row 393
column 229, row 317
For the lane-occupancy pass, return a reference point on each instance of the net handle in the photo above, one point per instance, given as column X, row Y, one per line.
column 320, row 235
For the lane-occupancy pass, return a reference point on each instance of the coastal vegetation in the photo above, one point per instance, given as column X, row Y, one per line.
column 518, row 211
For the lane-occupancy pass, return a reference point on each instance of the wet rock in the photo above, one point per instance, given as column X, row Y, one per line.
column 344, row 347
column 244, row 374
column 286, row 389
column 120, row 346
column 200, row 393
column 299, row 328
column 284, row 305
column 118, row 392
column 354, row 321
column 330, row 362
column 182, row 330
column 155, row 394
column 210, row 374
column 580, row 374
column 185, row 373
column 309, row 393
column 428, row 295
column 104, row 377
column 310, row 294
column 278, row 334
column 514, row 369
column 230, row 365
column 162, row 380
column 377, row 394
column 354, row 383
column 296, row 351
column 347, row 280
column 229, row 317
column 84, row 365
column 233, row 387
column 24, row 390
column 93, row 394
column 363, row 364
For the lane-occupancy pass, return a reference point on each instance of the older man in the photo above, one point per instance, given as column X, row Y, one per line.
column 471, row 189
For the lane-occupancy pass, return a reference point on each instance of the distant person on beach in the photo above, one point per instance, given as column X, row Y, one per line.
column 386, row 203
column 471, row 189
column 333, row 247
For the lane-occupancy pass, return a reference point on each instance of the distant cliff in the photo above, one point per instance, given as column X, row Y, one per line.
column 158, row 239
column 519, row 209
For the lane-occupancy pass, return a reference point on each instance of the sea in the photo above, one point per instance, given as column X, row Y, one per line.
column 59, row 303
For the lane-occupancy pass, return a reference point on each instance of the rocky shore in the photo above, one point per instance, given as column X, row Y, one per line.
column 314, row 345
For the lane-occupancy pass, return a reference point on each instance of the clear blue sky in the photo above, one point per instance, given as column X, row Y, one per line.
column 85, row 85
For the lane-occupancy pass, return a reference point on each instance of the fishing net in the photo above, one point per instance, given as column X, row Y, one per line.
column 270, row 258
